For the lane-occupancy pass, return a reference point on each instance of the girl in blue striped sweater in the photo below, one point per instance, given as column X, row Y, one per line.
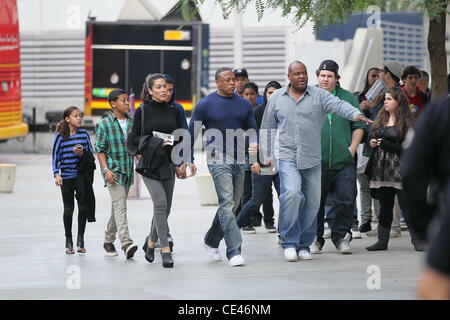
column 68, row 148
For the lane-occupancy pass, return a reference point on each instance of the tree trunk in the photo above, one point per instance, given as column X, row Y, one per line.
column 438, row 56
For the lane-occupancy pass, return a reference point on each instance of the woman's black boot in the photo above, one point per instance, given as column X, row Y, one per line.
column 80, row 244
column 167, row 261
column 69, row 246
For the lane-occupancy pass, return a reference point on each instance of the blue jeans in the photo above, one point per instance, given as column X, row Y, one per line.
column 228, row 180
column 342, row 183
column 299, row 203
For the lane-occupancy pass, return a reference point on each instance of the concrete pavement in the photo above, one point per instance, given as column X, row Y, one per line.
column 33, row 264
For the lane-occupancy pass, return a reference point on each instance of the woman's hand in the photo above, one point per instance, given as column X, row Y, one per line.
column 181, row 171
column 58, row 180
column 375, row 143
column 78, row 151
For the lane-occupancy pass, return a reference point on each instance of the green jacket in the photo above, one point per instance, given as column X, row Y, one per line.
column 337, row 135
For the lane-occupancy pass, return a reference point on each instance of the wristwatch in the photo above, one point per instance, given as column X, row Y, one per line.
column 104, row 170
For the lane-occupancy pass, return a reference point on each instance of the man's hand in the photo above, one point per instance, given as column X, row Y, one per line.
column 253, row 148
column 362, row 118
column 110, row 177
column 256, row 168
column 352, row 151
column 58, row 180
column 193, row 169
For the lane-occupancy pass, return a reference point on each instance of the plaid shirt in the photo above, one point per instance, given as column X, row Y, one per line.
column 111, row 141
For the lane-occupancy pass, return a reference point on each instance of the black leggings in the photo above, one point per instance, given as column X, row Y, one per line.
column 69, row 191
column 386, row 195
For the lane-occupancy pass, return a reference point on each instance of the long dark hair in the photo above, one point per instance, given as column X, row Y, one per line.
column 271, row 84
column 151, row 78
column 403, row 116
column 367, row 85
column 63, row 126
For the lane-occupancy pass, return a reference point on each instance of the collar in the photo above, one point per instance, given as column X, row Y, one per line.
column 112, row 116
column 307, row 90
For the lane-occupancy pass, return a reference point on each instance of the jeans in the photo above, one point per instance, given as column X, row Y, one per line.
column 261, row 188
column 69, row 189
column 228, row 181
column 343, row 184
column 365, row 198
column 299, row 202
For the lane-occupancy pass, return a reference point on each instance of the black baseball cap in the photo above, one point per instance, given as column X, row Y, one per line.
column 329, row 65
column 240, row 72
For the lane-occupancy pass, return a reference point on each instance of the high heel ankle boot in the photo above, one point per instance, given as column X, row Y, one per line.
column 80, row 244
column 167, row 260
column 69, row 246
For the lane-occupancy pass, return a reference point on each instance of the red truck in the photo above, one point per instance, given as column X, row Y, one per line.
column 11, row 120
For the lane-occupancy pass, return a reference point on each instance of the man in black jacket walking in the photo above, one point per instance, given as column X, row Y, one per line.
column 426, row 181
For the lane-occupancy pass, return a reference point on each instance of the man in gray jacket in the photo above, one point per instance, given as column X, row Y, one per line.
column 297, row 112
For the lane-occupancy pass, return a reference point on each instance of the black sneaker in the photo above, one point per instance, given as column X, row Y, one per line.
column 271, row 229
column 248, row 230
column 129, row 250
column 110, row 250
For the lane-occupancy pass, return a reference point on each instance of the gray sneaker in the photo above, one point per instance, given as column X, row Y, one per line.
column 344, row 246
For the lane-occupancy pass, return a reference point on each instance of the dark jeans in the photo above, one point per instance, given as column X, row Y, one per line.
column 69, row 190
column 386, row 196
column 261, row 189
column 342, row 183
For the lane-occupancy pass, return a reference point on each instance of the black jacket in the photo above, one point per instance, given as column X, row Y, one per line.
column 84, row 181
column 426, row 164
column 154, row 163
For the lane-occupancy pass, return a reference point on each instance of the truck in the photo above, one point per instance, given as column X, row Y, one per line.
column 121, row 54
column 11, row 117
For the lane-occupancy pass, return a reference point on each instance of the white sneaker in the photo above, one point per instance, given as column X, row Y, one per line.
column 344, row 246
column 237, row 261
column 290, row 254
column 327, row 233
column 356, row 234
column 213, row 253
column 315, row 248
column 304, row 255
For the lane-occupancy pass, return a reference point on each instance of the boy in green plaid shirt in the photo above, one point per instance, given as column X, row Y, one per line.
column 117, row 170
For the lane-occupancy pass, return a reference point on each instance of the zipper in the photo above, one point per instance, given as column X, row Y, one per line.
column 331, row 144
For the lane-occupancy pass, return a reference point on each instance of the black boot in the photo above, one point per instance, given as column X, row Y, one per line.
column 167, row 261
column 418, row 243
column 383, row 239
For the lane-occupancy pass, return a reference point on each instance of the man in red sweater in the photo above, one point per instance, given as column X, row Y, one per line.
column 416, row 98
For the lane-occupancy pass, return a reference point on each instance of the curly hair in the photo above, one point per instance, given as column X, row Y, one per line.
column 403, row 116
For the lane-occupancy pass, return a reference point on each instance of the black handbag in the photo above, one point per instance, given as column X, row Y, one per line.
column 133, row 149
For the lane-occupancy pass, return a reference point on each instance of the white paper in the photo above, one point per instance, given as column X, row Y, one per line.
column 170, row 138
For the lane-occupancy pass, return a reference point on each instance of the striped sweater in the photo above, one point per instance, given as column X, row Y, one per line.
column 64, row 160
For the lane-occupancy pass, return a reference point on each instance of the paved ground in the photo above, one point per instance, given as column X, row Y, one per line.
column 33, row 264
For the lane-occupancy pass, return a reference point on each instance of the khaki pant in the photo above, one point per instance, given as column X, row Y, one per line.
column 118, row 222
